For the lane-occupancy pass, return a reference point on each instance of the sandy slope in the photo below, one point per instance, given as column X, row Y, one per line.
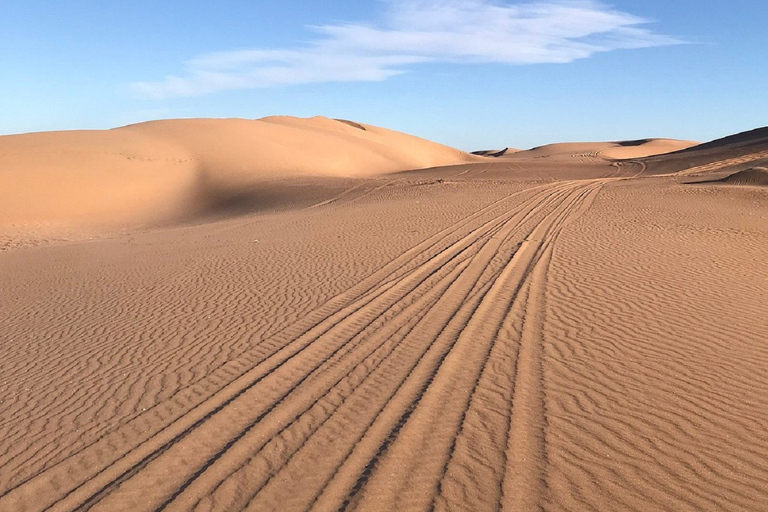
column 90, row 177
column 754, row 176
column 178, row 169
column 735, row 152
column 499, row 335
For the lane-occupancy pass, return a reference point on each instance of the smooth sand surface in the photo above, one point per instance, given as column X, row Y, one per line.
column 511, row 334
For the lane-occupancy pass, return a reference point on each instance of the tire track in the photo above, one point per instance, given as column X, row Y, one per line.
column 409, row 475
column 225, row 423
column 47, row 487
column 471, row 168
column 393, row 365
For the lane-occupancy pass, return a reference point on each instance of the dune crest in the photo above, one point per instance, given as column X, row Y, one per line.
column 163, row 170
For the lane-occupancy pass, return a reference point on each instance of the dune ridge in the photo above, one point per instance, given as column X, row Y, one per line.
column 755, row 137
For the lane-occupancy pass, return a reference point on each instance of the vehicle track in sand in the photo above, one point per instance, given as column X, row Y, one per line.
column 419, row 388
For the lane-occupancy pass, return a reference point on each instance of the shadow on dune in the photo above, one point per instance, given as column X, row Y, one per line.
column 727, row 149
column 216, row 201
column 491, row 152
column 352, row 124
column 757, row 136
column 633, row 143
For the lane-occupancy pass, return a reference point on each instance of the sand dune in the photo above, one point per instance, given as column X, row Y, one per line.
column 163, row 170
column 91, row 177
column 749, row 138
column 562, row 161
column 645, row 147
column 733, row 152
column 505, row 334
column 609, row 150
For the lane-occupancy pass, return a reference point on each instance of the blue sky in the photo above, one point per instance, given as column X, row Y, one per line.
column 469, row 73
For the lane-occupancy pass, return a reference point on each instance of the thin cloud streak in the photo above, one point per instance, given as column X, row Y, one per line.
column 416, row 32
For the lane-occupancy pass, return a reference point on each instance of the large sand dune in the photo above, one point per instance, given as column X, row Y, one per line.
column 510, row 334
column 177, row 169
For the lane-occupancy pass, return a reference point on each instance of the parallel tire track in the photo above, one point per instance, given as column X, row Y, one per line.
column 372, row 399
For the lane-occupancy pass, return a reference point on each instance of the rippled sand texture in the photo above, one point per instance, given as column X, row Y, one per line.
column 470, row 337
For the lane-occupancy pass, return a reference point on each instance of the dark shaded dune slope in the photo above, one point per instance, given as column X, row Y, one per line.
column 740, row 150
column 752, row 177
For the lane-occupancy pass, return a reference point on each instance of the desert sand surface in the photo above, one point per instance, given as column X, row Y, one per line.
column 516, row 333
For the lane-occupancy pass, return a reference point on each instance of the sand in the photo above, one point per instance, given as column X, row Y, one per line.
column 506, row 333
column 606, row 150
column 166, row 172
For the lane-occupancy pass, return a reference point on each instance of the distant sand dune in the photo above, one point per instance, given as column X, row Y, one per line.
column 609, row 150
column 645, row 147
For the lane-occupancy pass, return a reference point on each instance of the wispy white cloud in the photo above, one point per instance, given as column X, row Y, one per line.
column 420, row 31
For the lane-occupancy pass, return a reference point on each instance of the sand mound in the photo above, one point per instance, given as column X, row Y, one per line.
column 563, row 149
column 608, row 150
column 162, row 170
column 645, row 147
